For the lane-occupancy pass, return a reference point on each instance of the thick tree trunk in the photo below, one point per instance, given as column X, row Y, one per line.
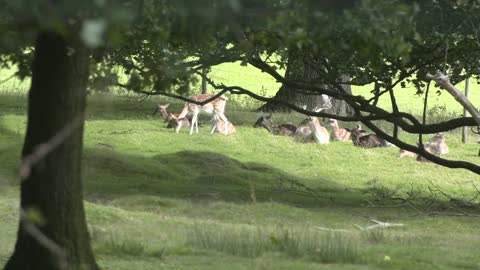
column 204, row 81
column 296, row 69
column 54, row 187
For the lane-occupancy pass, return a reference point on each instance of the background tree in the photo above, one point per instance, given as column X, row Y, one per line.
column 52, row 230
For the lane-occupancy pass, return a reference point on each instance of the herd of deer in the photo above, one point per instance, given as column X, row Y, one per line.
column 309, row 130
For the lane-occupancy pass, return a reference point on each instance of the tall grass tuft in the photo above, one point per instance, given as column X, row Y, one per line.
column 117, row 246
column 236, row 240
column 254, row 241
column 338, row 248
column 374, row 236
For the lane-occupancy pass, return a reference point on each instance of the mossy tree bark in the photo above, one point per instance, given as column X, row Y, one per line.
column 54, row 187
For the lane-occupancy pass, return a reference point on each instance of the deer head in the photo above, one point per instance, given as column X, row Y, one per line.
column 332, row 122
column 264, row 121
column 356, row 133
column 163, row 110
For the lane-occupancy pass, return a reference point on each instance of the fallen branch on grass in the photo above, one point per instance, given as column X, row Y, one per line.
column 121, row 132
column 106, row 145
column 331, row 230
column 378, row 225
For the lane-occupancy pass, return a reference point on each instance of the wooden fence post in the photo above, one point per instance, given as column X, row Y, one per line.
column 465, row 113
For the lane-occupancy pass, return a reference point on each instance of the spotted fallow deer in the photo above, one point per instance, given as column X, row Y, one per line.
column 170, row 118
column 339, row 134
column 405, row 153
column 216, row 107
column 436, row 146
column 367, row 141
column 283, row 129
column 219, row 126
column 311, row 129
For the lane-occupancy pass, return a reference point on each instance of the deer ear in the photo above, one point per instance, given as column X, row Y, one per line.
column 166, row 105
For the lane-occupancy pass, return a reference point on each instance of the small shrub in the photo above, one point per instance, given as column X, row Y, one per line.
column 439, row 113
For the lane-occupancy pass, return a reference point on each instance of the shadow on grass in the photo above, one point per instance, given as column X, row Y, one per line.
column 205, row 176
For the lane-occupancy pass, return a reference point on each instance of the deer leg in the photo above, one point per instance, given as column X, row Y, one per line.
column 225, row 120
column 214, row 127
column 178, row 127
column 196, row 124
column 215, row 124
column 194, row 121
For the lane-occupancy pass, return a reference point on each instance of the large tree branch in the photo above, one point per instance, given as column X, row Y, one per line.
column 443, row 81
column 454, row 164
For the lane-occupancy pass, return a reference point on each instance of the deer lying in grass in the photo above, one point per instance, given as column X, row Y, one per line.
column 339, row 134
column 312, row 130
column 219, row 126
column 406, row 153
column 283, row 129
column 367, row 141
column 436, row 146
column 216, row 106
column 170, row 118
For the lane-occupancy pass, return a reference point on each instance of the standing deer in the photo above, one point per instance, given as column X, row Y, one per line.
column 367, row 141
column 339, row 134
column 170, row 118
column 283, row 129
column 216, row 106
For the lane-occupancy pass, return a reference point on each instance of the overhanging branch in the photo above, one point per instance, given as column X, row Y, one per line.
column 443, row 81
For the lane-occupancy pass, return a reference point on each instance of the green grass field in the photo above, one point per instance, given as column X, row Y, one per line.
column 157, row 200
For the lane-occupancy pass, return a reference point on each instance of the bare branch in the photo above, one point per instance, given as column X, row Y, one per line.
column 43, row 240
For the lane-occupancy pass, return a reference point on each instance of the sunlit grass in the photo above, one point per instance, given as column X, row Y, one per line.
column 157, row 200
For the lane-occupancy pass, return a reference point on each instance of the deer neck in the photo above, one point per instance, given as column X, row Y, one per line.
column 184, row 112
column 335, row 126
column 164, row 114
